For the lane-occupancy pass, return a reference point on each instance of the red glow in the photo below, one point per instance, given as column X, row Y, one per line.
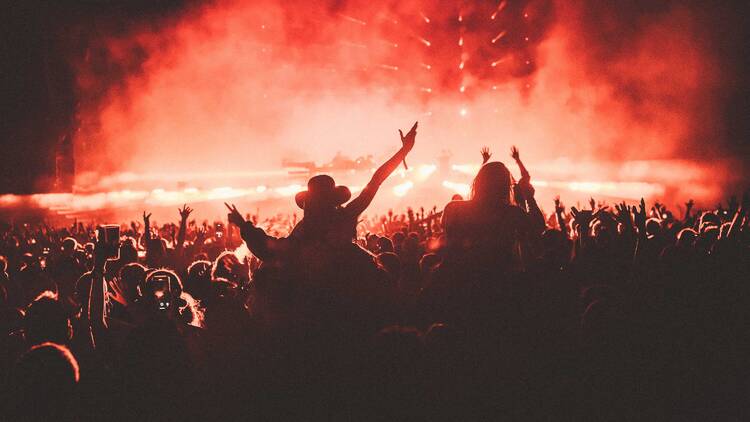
column 231, row 88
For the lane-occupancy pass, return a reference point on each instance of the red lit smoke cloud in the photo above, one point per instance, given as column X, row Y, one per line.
column 236, row 85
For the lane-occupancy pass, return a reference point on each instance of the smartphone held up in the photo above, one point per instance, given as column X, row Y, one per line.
column 109, row 236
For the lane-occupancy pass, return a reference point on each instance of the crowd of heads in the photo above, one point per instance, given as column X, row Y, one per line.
column 487, row 307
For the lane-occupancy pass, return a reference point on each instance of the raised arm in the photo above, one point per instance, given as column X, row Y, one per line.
column 738, row 218
column 535, row 217
column 517, row 157
column 97, row 298
column 184, row 214
column 361, row 202
column 147, row 227
column 688, row 207
column 559, row 211
column 258, row 242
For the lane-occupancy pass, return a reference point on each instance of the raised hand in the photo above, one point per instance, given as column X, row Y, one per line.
column 408, row 141
column 592, row 203
column 656, row 210
column 486, row 154
column 559, row 207
column 147, row 226
column 235, row 217
column 582, row 219
column 623, row 214
column 640, row 217
column 184, row 212
column 516, row 156
column 605, row 216
column 200, row 236
column 559, row 210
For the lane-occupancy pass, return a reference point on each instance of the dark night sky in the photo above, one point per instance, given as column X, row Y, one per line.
column 40, row 39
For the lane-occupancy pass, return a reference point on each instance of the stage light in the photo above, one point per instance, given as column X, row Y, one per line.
column 403, row 188
column 463, row 112
column 425, row 170
column 225, row 192
column 462, row 189
column 470, row 169
column 289, row 190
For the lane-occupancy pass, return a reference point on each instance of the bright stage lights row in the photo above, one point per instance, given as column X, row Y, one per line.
column 71, row 204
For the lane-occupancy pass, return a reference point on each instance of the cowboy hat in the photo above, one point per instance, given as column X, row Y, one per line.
column 323, row 188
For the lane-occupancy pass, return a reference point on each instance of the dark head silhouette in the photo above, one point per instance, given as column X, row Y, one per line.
column 45, row 380
column 47, row 320
column 492, row 184
column 322, row 194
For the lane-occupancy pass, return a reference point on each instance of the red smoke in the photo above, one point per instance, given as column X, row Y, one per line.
column 235, row 85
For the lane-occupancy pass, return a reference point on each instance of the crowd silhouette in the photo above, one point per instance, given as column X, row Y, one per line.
column 487, row 309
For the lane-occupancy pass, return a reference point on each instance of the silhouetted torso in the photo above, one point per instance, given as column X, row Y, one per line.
column 338, row 227
column 483, row 235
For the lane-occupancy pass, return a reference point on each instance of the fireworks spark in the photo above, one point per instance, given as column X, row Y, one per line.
column 352, row 19
column 497, row 62
column 499, row 9
column 499, row 35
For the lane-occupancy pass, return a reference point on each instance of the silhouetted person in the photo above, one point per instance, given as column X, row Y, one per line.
column 44, row 383
column 326, row 219
column 484, row 231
